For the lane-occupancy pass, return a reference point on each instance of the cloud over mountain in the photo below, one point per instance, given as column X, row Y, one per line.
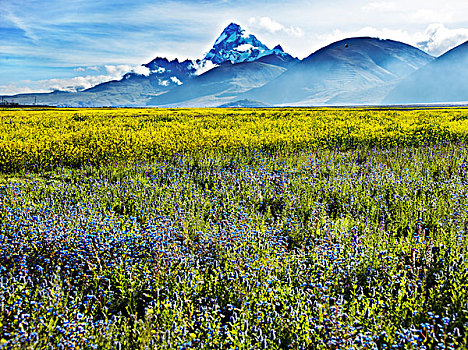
column 76, row 83
column 266, row 23
column 439, row 38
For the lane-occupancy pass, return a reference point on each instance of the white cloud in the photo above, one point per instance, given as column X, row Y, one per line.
column 14, row 88
column 49, row 85
column 439, row 39
column 425, row 15
column 122, row 69
column 19, row 23
column 114, row 72
column 383, row 6
column 266, row 23
column 76, row 83
column 118, row 70
column 84, row 69
column 142, row 70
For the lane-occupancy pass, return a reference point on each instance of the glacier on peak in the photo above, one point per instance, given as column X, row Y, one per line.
column 176, row 81
column 244, row 47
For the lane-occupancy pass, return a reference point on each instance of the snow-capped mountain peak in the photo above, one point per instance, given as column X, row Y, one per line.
column 235, row 45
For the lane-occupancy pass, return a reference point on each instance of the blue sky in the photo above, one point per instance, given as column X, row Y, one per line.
column 56, row 44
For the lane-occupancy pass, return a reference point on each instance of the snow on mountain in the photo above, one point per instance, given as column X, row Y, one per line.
column 176, row 81
column 202, row 66
column 244, row 47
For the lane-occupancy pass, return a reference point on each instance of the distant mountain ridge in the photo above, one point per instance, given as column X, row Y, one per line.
column 444, row 80
column 239, row 67
column 343, row 72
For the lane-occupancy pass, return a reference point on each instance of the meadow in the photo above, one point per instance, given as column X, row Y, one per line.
column 234, row 229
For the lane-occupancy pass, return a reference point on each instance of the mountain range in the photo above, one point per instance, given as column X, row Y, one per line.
column 240, row 70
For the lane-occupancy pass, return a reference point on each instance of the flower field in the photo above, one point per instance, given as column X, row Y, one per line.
column 44, row 139
column 234, row 229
